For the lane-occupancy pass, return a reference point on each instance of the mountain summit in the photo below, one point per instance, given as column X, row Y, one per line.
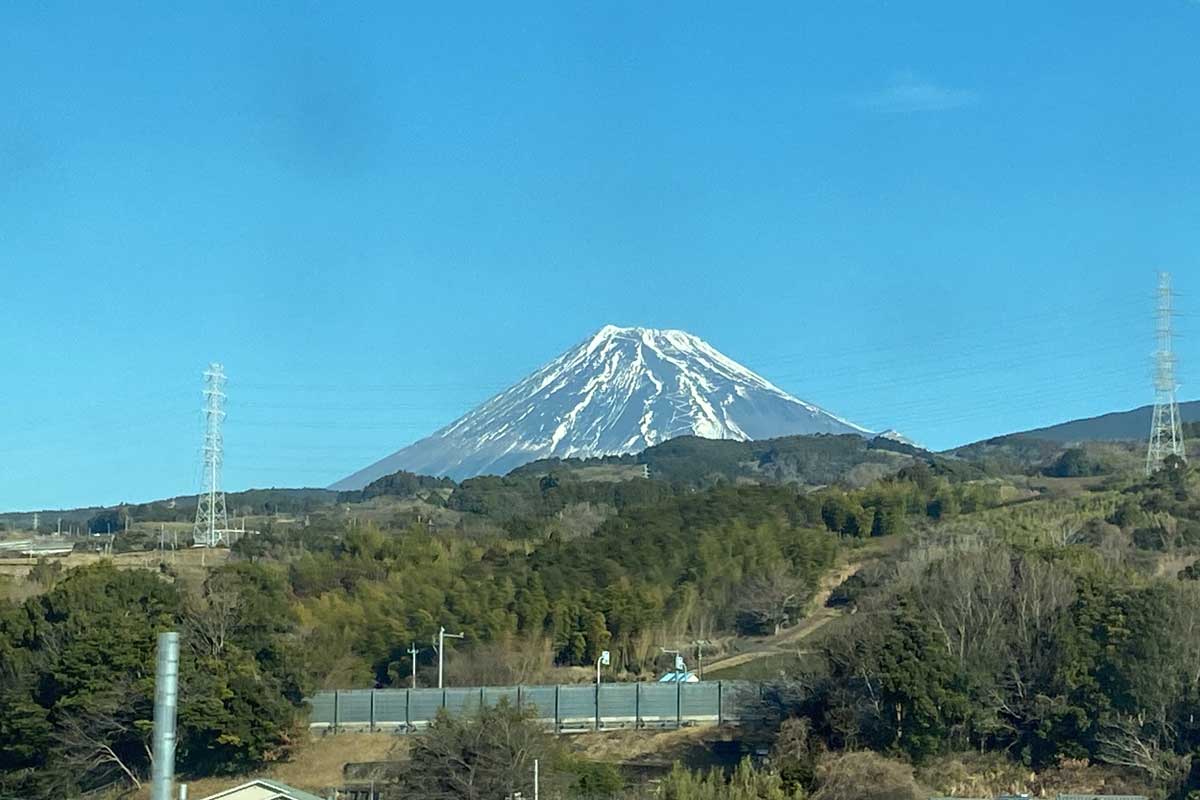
column 619, row 391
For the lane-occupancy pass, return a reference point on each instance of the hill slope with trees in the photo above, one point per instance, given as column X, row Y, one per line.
column 1040, row 617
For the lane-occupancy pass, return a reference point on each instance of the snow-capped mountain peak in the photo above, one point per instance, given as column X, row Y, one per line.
column 619, row 391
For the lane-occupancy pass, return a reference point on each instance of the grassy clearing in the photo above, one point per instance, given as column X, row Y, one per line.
column 766, row 667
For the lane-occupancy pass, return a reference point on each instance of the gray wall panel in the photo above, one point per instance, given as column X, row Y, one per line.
column 354, row 707
column 540, row 698
column 391, row 706
column 659, row 702
column 493, row 695
column 322, row 708
column 462, row 702
column 576, row 704
column 620, row 704
column 423, row 704
column 698, row 701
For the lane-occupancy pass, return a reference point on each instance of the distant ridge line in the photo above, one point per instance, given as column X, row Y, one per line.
column 1132, row 425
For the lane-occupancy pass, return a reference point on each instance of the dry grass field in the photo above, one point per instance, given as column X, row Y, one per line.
column 190, row 565
column 316, row 766
column 319, row 762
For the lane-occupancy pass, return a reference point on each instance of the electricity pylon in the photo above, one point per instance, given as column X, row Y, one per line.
column 1166, row 437
column 211, row 521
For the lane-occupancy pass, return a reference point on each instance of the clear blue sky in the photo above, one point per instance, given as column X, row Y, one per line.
column 939, row 217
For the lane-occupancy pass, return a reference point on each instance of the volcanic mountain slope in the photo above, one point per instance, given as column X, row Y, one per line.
column 620, row 391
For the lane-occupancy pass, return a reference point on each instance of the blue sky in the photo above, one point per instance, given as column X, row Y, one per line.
column 939, row 217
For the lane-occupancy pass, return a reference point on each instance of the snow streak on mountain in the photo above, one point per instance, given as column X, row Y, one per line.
column 620, row 391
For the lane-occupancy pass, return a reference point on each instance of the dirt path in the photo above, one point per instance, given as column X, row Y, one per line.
column 818, row 617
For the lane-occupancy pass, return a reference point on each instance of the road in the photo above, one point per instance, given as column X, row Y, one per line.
column 818, row 617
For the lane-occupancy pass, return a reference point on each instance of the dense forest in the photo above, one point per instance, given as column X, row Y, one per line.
column 77, row 676
column 1048, row 615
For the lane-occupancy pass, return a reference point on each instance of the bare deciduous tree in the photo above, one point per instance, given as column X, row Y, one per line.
column 768, row 602
column 480, row 758
column 211, row 619
column 107, row 738
column 1123, row 744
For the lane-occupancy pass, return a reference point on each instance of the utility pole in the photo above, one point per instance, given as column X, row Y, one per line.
column 412, row 651
column 35, row 522
column 440, row 644
column 1166, row 437
column 700, row 657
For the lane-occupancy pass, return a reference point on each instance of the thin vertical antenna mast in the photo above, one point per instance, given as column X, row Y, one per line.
column 1166, row 438
column 211, row 521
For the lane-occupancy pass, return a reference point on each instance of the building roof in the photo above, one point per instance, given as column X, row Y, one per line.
column 263, row 789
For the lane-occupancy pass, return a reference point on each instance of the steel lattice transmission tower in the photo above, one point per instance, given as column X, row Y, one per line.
column 212, row 524
column 1166, row 438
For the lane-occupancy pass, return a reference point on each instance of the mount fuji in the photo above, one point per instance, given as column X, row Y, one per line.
column 620, row 391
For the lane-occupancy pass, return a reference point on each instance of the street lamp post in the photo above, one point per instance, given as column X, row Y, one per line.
column 605, row 659
column 679, row 665
column 440, row 644
column 412, row 651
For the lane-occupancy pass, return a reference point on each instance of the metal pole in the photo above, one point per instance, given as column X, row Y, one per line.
column 166, row 696
column 441, row 648
column 412, row 651
column 535, row 779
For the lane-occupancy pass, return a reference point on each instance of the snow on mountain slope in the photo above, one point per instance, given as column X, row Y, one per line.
column 620, row 391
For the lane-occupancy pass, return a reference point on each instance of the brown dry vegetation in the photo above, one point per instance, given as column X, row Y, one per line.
column 317, row 765
column 184, row 559
column 990, row 775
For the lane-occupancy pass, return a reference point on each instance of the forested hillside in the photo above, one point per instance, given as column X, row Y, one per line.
column 77, row 676
column 807, row 460
column 1037, row 616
